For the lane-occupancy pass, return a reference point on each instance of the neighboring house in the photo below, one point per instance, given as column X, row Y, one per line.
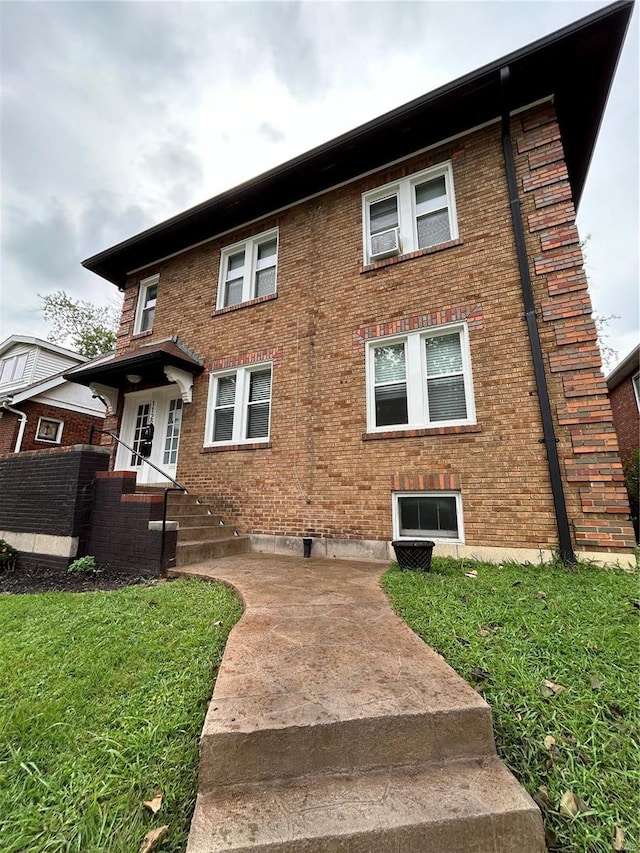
column 391, row 336
column 39, row 408
column 624, row 392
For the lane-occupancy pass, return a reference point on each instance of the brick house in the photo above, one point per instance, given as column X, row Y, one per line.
column 624, row 392
column 390, row 336
column 39, row 408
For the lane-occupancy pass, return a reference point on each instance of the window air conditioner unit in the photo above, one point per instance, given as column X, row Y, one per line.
column 384, row 244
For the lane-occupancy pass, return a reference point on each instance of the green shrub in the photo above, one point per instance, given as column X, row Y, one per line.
column 8, row 555
column 83, row 566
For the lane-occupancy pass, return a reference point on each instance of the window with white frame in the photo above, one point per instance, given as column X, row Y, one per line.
column 428, row 515
column 12, row 368
column 415, row 213
column 50, row 430
column 239, row 406
column 248, row 270
column 419, row 380
column 636, row 388
column 147, row 297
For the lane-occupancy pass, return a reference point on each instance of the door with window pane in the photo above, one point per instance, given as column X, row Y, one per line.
column 151, row 418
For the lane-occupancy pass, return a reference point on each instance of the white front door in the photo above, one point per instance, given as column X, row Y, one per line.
column 153, row 416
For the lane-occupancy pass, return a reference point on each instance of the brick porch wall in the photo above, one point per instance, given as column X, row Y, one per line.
column 75, row 429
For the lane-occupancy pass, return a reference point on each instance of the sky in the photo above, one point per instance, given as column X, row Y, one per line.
column 117, row 115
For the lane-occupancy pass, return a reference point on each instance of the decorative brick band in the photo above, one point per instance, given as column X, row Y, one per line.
column 448, row 481
column 584, row 384
column 575, row 330
column 273, row 354
column 602, row 469
column 553, row 173
column 558, row 259
column 585, row 411
column 594, row 438
column 258, row 445
column 420, row 253
column 593, row 533
column 575, row 358
column 555, row 236
column 545, row 218
column 613, row 499
column 552, row 194
column 257, row 301
column 565, row 305
column 566, row 281
column 472, row 313
column 418, row 433
column 543, row 155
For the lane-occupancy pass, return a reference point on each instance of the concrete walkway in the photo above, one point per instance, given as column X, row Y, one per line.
column 334, row 728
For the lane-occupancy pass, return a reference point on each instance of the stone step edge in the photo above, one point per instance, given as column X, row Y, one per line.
column 341, row 746
column 442, row 807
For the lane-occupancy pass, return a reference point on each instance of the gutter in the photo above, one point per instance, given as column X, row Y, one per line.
column 4, row 405
column 549, row 438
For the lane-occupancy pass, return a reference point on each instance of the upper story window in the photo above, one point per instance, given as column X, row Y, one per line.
column 239, row 407
column 12, row 369
column 248, row 270
column 636, row 388
column 414, row 213
column 147, row 297
column 420, row 380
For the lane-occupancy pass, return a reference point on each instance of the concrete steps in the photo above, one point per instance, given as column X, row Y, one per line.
column 334, row 729
column 202, row 534
column 472, row 806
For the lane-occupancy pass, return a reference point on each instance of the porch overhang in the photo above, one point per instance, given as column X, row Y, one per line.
column 148, row 366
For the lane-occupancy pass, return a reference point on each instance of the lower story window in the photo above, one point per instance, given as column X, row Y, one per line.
column 433, row 515
column 49, row 430
column 239, row 406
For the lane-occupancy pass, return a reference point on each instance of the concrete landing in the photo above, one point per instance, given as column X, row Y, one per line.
column 333, row 727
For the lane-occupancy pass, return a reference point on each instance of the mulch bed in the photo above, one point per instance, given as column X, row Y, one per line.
column 43, row 579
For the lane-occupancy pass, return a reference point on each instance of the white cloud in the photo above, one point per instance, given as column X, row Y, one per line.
column 116, row 116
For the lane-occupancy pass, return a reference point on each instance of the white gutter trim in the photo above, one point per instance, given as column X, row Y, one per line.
column 23, row 423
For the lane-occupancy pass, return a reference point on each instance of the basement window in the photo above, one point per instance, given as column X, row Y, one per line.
column 428, row 515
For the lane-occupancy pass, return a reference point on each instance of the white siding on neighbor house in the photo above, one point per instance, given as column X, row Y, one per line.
column 27, row 376
column 74, row 397
column 49, row 363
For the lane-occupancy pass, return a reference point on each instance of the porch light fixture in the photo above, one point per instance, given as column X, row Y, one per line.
column 134, row 378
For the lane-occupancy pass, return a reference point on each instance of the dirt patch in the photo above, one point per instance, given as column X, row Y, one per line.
column 43, row 579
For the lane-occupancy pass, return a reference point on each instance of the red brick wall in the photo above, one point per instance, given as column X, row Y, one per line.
column 320, row 473
column 626, row 417
column 75, row 430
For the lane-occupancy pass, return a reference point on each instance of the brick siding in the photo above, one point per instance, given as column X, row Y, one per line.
column 626, row 417
column 75, row 429
column 319, row 474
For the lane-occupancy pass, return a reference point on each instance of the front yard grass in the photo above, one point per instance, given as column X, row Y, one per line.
column 102, row 700
column 511, row 628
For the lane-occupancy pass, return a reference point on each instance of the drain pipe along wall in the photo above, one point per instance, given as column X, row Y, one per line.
column 549, row 438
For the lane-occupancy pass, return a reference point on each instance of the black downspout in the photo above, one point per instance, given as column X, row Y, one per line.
column 549, row 439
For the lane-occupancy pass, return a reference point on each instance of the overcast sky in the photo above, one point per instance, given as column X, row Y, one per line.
column 115, row 116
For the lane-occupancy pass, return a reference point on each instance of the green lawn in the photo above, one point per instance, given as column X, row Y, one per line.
column 102, row 699
column 511, row 628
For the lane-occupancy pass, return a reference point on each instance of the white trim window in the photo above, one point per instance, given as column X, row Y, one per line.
column 12, row 368
column 248, row 270
column 428, row 515
column 420, row 380
column 415, row 213
column 636, row 388
column 239, row 409
column 146, row 310
column 50, row 430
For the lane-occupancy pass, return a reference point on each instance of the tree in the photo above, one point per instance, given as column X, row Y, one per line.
column 84, row 327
